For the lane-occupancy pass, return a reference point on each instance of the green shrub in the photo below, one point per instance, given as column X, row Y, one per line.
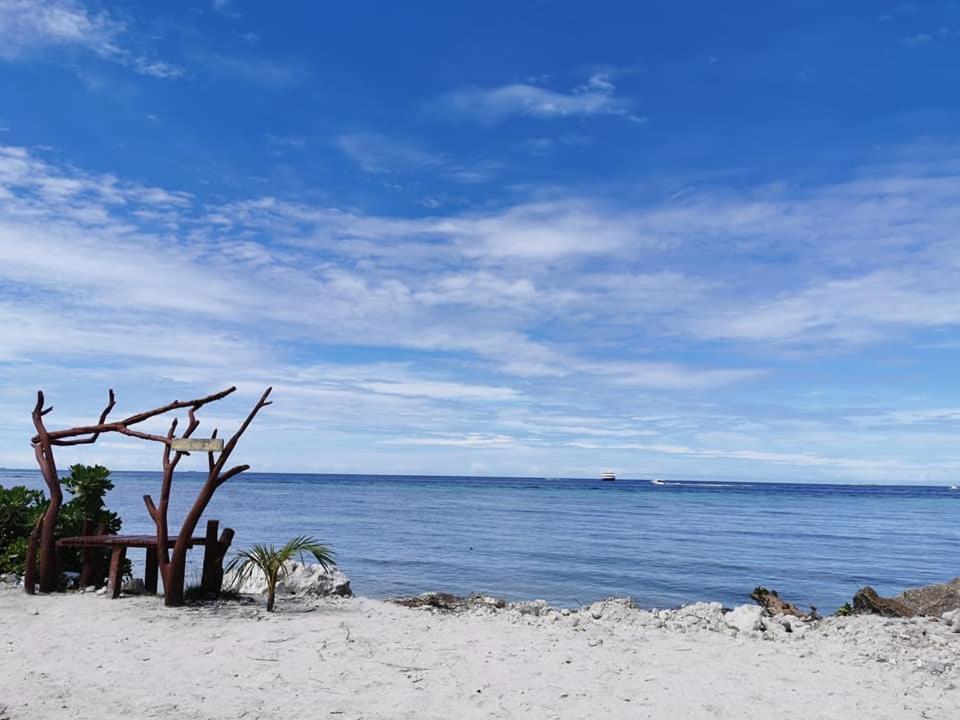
column 19, row 509
column 87, row 484
column 844, row 611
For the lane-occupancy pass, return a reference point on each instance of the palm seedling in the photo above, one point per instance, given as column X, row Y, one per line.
column 273, row 562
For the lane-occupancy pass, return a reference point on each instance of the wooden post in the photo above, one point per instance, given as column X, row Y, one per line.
column 151, row 571
column 226, row 537
column 116, row 570
column 211, row 551
column 88, row 566
column 30, row 571
column 100, row 557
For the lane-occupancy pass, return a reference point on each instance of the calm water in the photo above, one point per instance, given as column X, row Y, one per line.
column 572, row 541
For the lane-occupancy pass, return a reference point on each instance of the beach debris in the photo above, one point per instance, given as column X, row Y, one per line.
column 449, row 602
column 773, row 604
column 867, row 600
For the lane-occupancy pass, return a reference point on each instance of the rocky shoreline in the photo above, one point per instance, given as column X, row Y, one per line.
column 353, row 657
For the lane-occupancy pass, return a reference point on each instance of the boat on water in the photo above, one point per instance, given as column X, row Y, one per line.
column 955, row 487
column 657, row 481
column 608, row 477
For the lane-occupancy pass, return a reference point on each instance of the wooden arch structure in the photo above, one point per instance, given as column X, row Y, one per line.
column 172, row 565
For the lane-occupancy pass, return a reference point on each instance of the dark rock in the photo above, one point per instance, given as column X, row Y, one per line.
column 449, row 602
column 933, row 599
column 867, row 601
column 773, row 604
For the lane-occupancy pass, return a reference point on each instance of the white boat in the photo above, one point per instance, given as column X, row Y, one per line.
column 955, row 487
column 608, row 477
column 657, row 481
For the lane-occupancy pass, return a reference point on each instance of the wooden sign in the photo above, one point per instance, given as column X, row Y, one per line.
column 197, row 444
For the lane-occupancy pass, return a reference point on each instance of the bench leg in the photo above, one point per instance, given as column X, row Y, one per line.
column 151, row 571
column 208, row 581
column 88, row 556
column 116, row 568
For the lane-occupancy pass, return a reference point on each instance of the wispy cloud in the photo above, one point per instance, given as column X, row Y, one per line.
column 377, row 153
column 30, row 27
column 570, row 322
column 270, row 73
column 595, row 97
column 470, row 440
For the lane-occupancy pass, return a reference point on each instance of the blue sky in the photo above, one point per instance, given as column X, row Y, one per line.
column 677, row 239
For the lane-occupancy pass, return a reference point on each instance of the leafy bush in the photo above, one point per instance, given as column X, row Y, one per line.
column 19, row 509
column 87, row 484
column 844, row 611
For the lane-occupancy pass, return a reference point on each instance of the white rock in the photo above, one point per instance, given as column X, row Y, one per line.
column 136, row 586
column 310, row 579
column 611, row 610
column 745, row 618
column 532, row 607
column 952, row 618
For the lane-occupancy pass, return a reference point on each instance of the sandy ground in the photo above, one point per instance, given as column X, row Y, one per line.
column 82, row 656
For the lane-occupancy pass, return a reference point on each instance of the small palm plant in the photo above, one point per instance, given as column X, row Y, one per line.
column 273, row 562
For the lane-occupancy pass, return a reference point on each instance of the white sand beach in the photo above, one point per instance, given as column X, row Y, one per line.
column 82, row 656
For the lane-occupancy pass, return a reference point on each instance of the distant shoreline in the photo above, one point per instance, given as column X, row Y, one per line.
column 620, row 479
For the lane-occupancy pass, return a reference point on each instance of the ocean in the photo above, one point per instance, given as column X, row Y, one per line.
column 573, row 541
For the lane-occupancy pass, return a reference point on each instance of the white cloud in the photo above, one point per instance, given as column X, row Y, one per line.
column 29, row 27
column 377, row 153
column 491, row 105
column 533, row 333
column 667, row 376
column 862, row 309
column 470, row 440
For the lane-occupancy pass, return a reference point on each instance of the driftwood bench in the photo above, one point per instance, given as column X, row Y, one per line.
column 215, row 549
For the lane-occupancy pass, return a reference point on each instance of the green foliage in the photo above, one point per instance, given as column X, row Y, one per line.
column 87, row 484
column 19, row 509
column 272, row 562
column 844, row 611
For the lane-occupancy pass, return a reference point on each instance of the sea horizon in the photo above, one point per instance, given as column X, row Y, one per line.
column 571, row 541
column 545, row 478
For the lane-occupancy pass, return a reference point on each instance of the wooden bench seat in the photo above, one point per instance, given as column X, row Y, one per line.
column 215, row 549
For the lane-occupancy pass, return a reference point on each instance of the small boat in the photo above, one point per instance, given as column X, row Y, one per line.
column 955, row 487
column 657, row 481
column 608, row 477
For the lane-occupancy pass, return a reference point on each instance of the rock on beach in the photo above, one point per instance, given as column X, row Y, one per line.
column 310, row 579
